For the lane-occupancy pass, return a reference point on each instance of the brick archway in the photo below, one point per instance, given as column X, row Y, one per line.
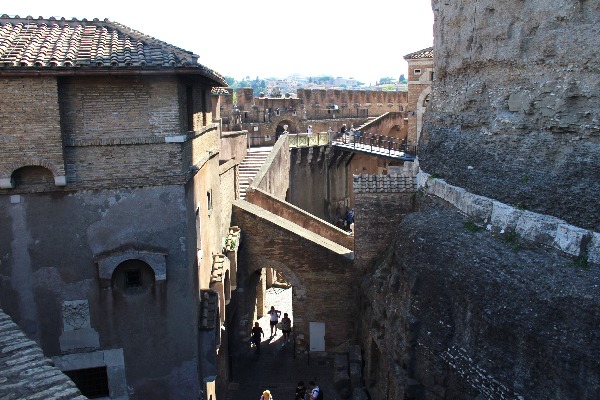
column 58, row 172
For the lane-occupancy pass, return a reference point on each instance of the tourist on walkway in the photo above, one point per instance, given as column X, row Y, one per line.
column 309, row 130
column 266, row 395
column 257, row 335
column 314, row 391
column 286, row 327
column 300, row 391
column 275, row 314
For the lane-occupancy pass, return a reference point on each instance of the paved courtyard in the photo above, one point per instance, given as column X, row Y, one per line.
column 276, row 368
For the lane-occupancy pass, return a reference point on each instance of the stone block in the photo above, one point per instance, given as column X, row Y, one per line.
column 422, row 179
column 504, row 216
column 114, row 358
column 79, row 339
column 594, row 248
column 538, row 227
column 519, row 102
column 476, row 207
column 569, row 238
column 117, row 382
column 355, row 355
column 355, row 375
column 79, row 361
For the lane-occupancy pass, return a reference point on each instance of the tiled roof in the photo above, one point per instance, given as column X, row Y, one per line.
column 24, row 370
column 221, row 91
column 58, row 44
column 425, row 53
column 364, row 183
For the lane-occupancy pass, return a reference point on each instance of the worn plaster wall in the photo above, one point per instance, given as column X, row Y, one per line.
column 48, row 256
column 515, row 110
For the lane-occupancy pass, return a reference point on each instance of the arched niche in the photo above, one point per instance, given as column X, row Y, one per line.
column 107, row 265
column 29, row 171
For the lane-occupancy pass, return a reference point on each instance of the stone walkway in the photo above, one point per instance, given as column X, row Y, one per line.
column 276, row 368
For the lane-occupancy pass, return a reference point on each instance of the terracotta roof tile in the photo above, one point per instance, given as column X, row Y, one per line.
column 24, row 370
column 425, row 53
column 51, row 43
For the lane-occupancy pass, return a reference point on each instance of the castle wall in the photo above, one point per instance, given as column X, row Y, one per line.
column 514, row 115
column 452, row 311
column 135, row 169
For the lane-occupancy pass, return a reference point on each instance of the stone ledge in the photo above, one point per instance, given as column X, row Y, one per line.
column 543, row 229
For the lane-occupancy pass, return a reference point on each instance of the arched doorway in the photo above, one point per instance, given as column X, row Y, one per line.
column 281, row 127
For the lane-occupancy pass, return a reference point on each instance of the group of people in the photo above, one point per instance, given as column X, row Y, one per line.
column 286, row 328
column 313, row 392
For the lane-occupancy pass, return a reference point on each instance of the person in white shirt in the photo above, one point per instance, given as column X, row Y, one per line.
column 275, row 314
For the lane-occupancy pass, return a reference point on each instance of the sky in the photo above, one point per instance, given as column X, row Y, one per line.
column 267, row 38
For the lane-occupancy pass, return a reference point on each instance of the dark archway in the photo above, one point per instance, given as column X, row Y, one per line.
column 33, row 178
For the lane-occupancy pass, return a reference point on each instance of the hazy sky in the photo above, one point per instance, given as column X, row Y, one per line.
column 266, row 38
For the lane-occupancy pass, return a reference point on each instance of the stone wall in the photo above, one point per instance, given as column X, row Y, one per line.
column 274, row 175
column 317, row 185
column 300, row 217
column 515, row 110
column 452, row 311
column 54, row 249
column 234, row 145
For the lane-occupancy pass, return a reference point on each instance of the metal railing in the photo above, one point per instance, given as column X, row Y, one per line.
column 308, row 139
column 375, row 143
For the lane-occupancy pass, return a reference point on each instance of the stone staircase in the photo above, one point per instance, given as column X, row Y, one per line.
column 250, row 166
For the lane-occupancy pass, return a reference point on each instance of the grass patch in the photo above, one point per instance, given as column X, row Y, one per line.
column 472, row 226
column 511, row 237
column 524, row 179
column 521, row 206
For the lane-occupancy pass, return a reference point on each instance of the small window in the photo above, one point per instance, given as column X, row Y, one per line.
column 431, row 75
column 209, row 200
column 417, row 71
column 189, row 95
column 92, row 382
column 133, row 278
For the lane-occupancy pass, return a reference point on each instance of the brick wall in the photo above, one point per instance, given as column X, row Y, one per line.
column 118, row 107
column 377, row 215
column 30, row 128
column 323, row 280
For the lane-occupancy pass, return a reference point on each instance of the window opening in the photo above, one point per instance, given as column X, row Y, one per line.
column 133, row 278
column 92, row 382
column 417, row 71
column 189, row 94
column 209, row 200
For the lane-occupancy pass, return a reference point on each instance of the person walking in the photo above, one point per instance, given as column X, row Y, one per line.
column 257, row 335
column 266, row 395
column 300, row 391
column 314, row 391
column 286, row 327
column 274, row 319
